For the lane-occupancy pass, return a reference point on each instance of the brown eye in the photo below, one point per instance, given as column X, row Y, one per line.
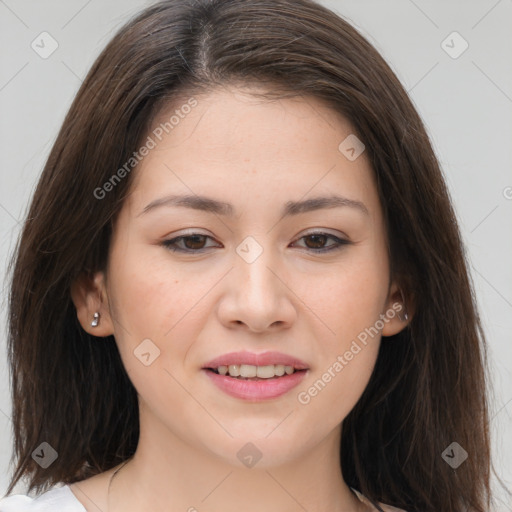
column 190, row 243
column 318, row 241
column 194, row 241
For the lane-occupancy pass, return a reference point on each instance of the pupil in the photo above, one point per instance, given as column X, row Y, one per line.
column 321, row 237
column 194, row 239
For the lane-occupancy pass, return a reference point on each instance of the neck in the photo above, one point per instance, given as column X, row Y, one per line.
column 172, row 473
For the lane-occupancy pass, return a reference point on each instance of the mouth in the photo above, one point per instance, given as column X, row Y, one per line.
column 255, row 373
column 256, row 377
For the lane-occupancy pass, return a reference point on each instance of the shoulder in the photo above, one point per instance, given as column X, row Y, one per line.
column 385, row 508
column 57, row 498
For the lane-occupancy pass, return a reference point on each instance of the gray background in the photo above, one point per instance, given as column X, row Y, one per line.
column 466, row 103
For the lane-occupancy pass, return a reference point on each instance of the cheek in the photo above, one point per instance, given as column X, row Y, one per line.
column 151, row 293
column 349, row 305
column 350, row 298
column 335, row 389
column 158, row 324
column 345, row 357
column 152, row 300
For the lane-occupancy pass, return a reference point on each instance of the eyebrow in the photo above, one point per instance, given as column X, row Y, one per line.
column 210, row 205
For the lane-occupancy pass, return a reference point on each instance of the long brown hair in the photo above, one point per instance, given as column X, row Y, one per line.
column 428, row 388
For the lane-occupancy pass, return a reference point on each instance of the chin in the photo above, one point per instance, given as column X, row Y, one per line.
column 250, row 451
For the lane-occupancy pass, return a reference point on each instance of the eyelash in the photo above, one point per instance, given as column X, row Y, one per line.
column 171, row 244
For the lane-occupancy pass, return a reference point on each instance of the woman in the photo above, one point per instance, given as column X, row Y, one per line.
column 241, row 282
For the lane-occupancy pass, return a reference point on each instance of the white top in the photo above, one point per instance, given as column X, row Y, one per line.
column 59, row 499
column 63, row 500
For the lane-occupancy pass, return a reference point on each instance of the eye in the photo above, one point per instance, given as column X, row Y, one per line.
column 318, row 239
column 195, row 242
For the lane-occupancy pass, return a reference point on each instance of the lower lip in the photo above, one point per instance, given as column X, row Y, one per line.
column 255, row 390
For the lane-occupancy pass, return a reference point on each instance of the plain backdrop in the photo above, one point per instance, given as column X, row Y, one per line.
column 465, row 101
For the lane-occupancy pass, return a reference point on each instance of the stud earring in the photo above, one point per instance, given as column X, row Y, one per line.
column 96, row 319
column 405, row 316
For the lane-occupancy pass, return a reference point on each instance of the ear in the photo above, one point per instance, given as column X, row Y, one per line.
column 89, row 295
column 398, row 311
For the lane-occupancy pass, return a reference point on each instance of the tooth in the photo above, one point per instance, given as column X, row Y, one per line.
column 279, row 370
column 234, row 370
column 247, row 370
column 265, row 372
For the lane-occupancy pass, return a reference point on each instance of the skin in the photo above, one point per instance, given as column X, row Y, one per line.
column 256, row 155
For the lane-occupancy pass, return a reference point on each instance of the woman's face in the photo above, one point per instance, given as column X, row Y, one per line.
column 253, row 277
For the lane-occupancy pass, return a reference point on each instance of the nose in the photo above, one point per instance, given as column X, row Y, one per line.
column 256, row 296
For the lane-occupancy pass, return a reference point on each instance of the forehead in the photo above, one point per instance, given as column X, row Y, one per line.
column 231, row 142
column 234, row 117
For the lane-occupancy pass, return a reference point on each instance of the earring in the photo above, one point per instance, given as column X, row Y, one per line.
column 96, row 319
column 406, row 316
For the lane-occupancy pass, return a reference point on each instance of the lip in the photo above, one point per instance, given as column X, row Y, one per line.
column 261, row 359
column 256, row 390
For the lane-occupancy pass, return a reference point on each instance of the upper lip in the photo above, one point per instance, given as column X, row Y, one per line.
column 261, row 359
